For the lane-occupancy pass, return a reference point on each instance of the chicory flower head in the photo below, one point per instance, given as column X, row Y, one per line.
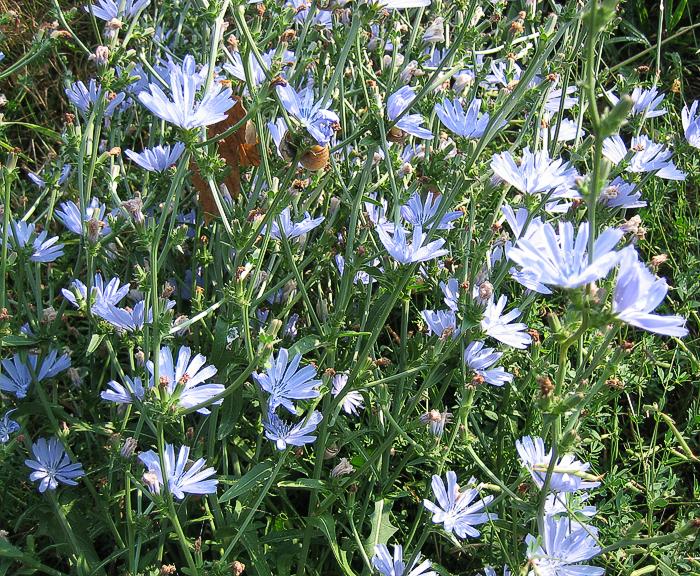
column 691, row 124
column 646, row 156
column 7, row 427
column 101, row 294
column 467, row 123
column 19, row 374
column 481, row 359
column 638, row 293
column 458, row 510
column 182, row 107
column 387, row 565
column 109, row 9
column 183, row 476
column 284, row 381
column 352, row 401
column 23, row 237
column 185, row 379
column 292, row 229
column 319, row 122
column 284, row 434
column 562, row 261
column 499, row 326
column 415, row 251
column 561, row 549
column 52, row 465
column 537, row 173
column 69, row 215
column 442, row 323
column 397, row 103
column 419, row 213
column 157, row 159
column 84, row 98
column 567, row 475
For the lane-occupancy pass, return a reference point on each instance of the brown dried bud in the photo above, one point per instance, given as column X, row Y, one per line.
column 316, row 157
column 288, row 35
column 382, row 362
column 546, row 386
column 658, row 260
column 261, row 9
column 237, row 568
column 69, row 118
column 168, row 290
column 232, row 41
column 168, row 569
column 535, row 335
column 615, row 384
column 329, row 372
column 676, row 86
column 198, row 545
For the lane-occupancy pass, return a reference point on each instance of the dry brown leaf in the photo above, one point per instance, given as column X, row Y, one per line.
column 238, row 149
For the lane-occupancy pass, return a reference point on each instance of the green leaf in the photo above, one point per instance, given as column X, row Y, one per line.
column 12, row 340
column 326, row 525
column 95, row 341
column 303, row 484
column 382, row 528
column 7, row 550
column 256, row 475
column 304, row 345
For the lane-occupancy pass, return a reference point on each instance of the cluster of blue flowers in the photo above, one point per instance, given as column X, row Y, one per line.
column 548, row 250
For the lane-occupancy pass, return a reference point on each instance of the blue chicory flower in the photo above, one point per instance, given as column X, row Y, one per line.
column 284, row 434
column 450, row 292
column 387, row 565
column 480, row 360
column 537, row 173
column 183, row 477
column 646, row 156
column 319, row 122
column 352, row 401
column 567, row 475
column 20, row 373
column 157, row 159
column 69, row 215
column 458, row 510
column 621, row 194
column 120, row 394
column 499, row 326
column 52, row 465
column 396, row 104
column 7, row 427
column 644, row 102
column 101, row 294
column 185, row 380
column 559, row 551
column 559, row 260
column 418, row 213
column 23, row 237
column 442, row 323
column 284, row 381
column 638, row 293
column 182, row 108
column 236, row 69
column 84, row 98
column 403, row 252
column 691, row 124
column 108, row 10
column 283, row 225
column 467, row 123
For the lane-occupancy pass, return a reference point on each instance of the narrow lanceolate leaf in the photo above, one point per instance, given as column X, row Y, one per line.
column 255, row 477
column 382, row 528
